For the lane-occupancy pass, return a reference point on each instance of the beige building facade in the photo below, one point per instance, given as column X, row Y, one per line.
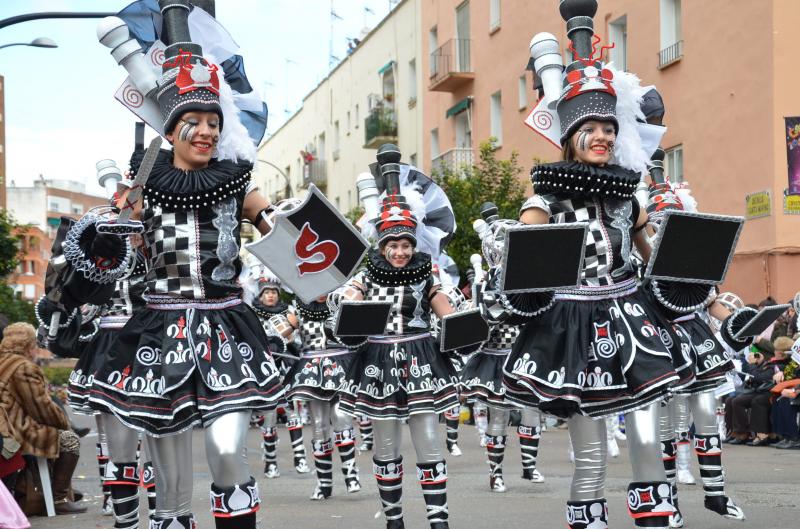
column 372, row 97
column 725, row 70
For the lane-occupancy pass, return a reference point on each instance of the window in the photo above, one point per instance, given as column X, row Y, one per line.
column 336, row 140
column 356, row 116
column 412, row 81
column 673, row 164
column 348, row 122
column 523, row 92
column 349, row 199
column 321, row 147
column 77, row 209
column 435, row 144
column 496, row 116
column 618, row 34
column 412, row 160
column 494, row 15
column 30, row 291
column 671, row 34
column 338, row 204
column 433, row 45
column 53, row 206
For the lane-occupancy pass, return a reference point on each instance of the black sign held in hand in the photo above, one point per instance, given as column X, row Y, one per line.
column 694, row 247
column 462, row 329
column 761, row 321
column 362, row 318
column 543, row 257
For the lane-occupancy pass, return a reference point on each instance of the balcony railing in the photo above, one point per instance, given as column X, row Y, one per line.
column 380, row 127
column 450, row 66
column 314, row 172
column 453, row 160
column 670, row 54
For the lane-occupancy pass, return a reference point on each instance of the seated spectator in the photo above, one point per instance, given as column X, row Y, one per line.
column 785, row 408
column 749, row 411
column 30, row 418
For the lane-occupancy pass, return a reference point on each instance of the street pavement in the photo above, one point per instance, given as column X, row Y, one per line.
column 762, row 480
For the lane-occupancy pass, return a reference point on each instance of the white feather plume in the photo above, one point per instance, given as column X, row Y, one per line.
column 684, row 192
column 628, row 150
column 235, row 143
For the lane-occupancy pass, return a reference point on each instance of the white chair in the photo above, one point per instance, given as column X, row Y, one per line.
column 47, row 489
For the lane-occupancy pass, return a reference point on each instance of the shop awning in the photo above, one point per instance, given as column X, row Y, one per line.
column 459, row 107
column 385, row 67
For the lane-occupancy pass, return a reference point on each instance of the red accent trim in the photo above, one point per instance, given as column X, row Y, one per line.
column 227, row 515
column 433, row 482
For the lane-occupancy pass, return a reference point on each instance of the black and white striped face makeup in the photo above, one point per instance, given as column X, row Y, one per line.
column 593, row 142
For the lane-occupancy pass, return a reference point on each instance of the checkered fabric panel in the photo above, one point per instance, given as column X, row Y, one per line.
column 597, row 256
column 172, row 245
column 395, row 295
column 313, row 335
column 502, row 336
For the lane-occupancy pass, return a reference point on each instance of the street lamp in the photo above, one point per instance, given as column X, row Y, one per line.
column 288, row 182
column 41, row 42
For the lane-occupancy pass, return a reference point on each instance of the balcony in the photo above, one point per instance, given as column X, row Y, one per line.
column 315, row 172
column 380, row 127
column 670, row 54
column 450, row 66
column 455, row 160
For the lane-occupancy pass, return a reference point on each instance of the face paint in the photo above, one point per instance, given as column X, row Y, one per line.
column 187, row 128
column 390, row 253
column 611, row 146
column 582, row 135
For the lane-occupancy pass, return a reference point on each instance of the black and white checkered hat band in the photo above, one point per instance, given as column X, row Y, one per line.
column 397, row 232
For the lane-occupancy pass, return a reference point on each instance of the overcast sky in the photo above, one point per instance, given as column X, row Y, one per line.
column 61, row 116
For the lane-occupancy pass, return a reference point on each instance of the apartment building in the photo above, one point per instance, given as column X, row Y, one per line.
column 725, row 71
column 370, row 98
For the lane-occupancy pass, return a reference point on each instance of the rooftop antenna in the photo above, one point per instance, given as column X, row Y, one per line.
column 332, row 59
column 286, row 63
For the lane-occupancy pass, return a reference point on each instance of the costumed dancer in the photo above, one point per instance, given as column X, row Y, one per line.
column 272, row 312
column 401, row 375
column 600, row 349
column 482, row 379
column 316, row 378
column 711, row 363
column 118, row 445
column 196, row 354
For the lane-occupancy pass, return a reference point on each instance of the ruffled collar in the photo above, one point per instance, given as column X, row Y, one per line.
column 176, row 188
column 266, row 312
column 577, row 178
column 314, row 311
column 383, row 273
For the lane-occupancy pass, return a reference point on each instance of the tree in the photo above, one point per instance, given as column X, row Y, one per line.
column 12, row 308
column 488, row 180
column 8, row 244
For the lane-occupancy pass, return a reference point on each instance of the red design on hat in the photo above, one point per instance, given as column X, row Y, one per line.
column 193, row 76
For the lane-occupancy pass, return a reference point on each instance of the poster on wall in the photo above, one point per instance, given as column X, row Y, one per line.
column 758, row 205
column 793, row 154
column 791, row 204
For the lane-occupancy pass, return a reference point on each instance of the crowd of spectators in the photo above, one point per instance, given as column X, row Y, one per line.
column 764, row 410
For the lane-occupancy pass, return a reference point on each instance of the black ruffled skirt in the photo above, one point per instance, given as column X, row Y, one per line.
column 599, row 352
column 175, row 365
column 710, row 360
column 399, row 376
column 80, row 380
column 482, row 378
column 318, row 376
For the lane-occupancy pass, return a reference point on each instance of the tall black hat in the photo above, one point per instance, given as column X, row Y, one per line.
column 188, row 82
column 588, row 92
column 396, row 220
